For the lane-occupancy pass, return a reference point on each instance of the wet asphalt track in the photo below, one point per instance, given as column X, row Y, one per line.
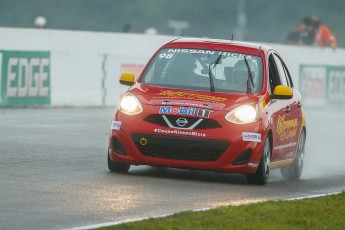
column 53, row 172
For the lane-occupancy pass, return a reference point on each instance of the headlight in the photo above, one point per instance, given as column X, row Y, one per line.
column 130, row 104
column 243, row 114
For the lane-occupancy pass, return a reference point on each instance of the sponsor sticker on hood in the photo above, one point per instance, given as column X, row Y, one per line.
column 190, row 96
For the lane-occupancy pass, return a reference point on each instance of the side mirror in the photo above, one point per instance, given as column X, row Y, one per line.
column 282, row 92
column 127, row 78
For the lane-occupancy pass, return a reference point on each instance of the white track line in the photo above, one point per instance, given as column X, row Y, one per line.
column 107, row 224
column 314, row 196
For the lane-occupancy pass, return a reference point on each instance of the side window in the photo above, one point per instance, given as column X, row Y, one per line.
column 287, row 74
column 283, row 72
column 273, row 73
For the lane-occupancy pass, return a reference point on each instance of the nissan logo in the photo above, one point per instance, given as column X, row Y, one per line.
column 181, row 121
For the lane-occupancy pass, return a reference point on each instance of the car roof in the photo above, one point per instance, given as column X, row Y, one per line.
column 218, row 44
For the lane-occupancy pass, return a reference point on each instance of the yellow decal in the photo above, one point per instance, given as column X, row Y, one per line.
column 263, row 105
column 286, row 129
column 190, row 96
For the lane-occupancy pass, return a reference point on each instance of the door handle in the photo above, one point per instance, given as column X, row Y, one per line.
column 288, row 110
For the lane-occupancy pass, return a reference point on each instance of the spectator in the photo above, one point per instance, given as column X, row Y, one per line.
column 323, row 35
column 297, row 37
column 309, row 31
column 128, row 28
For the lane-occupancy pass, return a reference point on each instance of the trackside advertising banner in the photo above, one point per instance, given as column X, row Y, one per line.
column 25, row 78
column 321, row 85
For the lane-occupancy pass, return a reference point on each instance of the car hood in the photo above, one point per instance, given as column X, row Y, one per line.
column 153, row 95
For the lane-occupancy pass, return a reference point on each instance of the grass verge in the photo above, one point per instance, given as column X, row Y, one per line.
column 318, row 213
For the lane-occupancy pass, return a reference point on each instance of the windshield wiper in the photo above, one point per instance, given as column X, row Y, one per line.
column 250, row 80
column 210, row 74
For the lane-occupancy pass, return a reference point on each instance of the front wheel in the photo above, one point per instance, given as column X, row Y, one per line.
column 263, row 172
column 117, row 166
column 294, row 170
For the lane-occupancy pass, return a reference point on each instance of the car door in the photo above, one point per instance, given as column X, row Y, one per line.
column 293, row 119
column 280, row 112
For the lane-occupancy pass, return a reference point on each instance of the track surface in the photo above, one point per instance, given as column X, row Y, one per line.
column 53, row 172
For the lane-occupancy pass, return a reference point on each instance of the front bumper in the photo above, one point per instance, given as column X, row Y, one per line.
column 224, row 149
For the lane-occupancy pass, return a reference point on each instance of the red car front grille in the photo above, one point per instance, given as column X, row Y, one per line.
column 179, row 148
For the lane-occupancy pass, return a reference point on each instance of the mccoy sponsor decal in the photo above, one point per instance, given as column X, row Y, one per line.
column 25, row 78
column 255, row 137
column 189, row 96
column 286, row 129
column 189, row 111
column 180, row 132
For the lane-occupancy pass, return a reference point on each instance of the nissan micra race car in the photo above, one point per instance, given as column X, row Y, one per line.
column 214, row 105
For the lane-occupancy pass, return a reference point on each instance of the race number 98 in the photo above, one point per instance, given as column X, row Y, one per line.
column 166, row 56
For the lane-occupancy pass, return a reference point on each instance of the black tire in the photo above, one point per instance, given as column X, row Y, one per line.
column 294, row 171
column 262, row 174
column 117, row 167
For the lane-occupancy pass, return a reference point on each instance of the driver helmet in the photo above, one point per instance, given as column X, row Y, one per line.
column 240, row 71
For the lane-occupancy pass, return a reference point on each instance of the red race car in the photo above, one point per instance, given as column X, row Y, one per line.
column 211, row 105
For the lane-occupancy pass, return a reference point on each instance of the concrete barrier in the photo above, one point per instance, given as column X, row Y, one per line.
column 77, row 68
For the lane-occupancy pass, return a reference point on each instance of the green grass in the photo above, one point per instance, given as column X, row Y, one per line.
column 318, row 213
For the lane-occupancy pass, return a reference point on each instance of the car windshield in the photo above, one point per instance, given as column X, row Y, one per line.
column 193, row 68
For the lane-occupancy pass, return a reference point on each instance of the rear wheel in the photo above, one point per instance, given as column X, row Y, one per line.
column 294, row 170
column 117, row 166
column 263, row 172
